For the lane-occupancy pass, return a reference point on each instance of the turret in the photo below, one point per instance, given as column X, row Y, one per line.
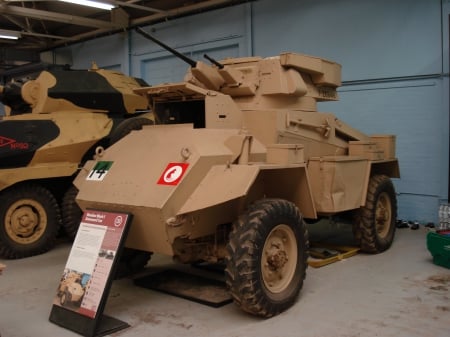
column 84, row 90
column 11, row 97
column 289, row 80
column 273, row 98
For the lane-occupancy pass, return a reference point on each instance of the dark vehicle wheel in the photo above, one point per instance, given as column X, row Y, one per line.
column 71, row 212
column 128, row 125
column 267, row 257
column 131, row 262
column 374, row 225
column 29, row 221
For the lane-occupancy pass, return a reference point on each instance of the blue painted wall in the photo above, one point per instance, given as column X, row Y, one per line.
column 371, row 39
column 394, row 55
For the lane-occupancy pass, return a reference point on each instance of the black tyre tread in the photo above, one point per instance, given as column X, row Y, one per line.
column 13, row 250
column 242, row 267
column 366, row 230
column 71, row 212
column 128, row 125
column 131, row 262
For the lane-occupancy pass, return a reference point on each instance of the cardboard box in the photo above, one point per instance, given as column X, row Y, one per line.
column 368, row 150
column 385, row 143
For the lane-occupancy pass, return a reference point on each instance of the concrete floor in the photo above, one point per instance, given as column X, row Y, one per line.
column 397, row 293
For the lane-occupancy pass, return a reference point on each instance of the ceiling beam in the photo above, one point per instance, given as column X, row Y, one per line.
column 58, row 17
column 180, row 11
column 116, row 3
column 153, row 18
column 15, row 21
column 49, row 36
column 132, row 5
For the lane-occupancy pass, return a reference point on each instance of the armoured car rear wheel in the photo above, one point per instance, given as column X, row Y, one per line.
column 375, row 222
column 267, row 257
column 30, row 220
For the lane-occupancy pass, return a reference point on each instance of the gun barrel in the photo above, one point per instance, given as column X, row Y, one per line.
column 213, row 61
column 186, row 59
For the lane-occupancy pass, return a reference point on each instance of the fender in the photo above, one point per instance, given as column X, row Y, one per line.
column 240, row 185
column 233, row 181
column 388, row 167
column 20, row 139
column 9, row 177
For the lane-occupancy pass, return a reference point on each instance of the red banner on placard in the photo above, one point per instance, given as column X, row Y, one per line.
column 173, row 173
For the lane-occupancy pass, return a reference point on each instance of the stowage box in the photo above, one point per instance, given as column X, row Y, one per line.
column 439, row 246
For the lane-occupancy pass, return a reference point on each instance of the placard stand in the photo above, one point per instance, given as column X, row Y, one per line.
column 88, row 275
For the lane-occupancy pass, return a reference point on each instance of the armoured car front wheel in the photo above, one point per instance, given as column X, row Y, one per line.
column 267, row 257
column 29, row 221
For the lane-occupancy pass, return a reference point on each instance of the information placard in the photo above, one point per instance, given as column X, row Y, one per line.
column 88, row 274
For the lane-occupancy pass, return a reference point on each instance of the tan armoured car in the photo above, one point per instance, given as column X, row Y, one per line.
column 241, row 159
column 53, row 123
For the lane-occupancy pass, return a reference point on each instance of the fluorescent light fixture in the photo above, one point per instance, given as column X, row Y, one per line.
column 96, row 4
column 9, row 34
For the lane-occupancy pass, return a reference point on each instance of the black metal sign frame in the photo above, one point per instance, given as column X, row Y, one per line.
column 88, row 274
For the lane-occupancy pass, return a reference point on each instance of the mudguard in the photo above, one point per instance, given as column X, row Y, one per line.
column 232, row 181
column 20, row 139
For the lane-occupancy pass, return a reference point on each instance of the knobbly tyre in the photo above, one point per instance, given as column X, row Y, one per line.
column 53, row 123
column 240, row 159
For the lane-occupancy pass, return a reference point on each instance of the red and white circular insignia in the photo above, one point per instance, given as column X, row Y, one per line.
column 173, row 174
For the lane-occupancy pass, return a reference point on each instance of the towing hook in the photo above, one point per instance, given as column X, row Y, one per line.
column 99, row 151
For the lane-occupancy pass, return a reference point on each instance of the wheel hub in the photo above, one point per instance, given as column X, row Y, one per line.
column 25, row 221
column 383, row 214
column 279, row 258
column 276, row 257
